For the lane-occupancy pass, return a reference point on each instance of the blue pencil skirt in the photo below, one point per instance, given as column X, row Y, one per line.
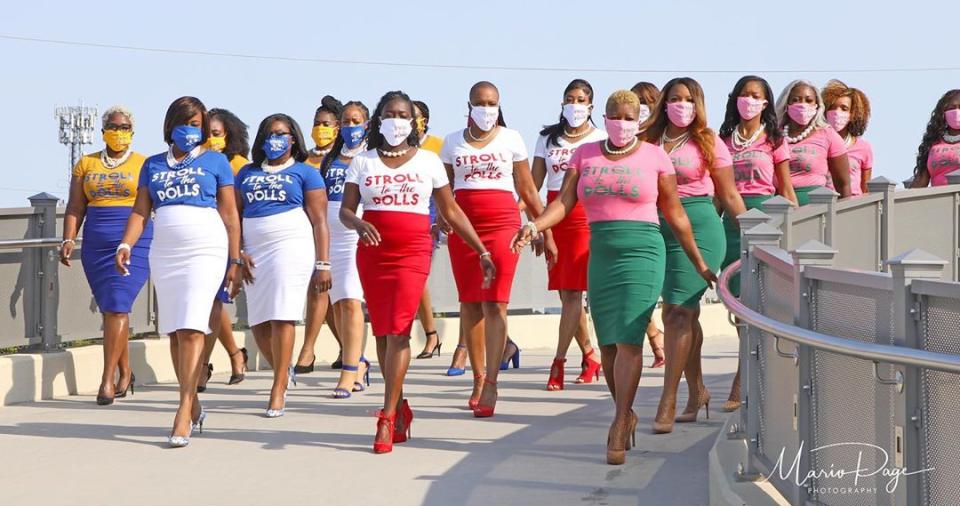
column 102, row 232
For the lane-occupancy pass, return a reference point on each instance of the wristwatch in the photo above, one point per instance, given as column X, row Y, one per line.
column 237, row 261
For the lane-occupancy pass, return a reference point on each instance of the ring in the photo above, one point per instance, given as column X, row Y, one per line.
column 364, row 234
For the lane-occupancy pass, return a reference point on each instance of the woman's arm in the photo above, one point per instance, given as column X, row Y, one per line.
column 785, row 189
column 727, row 194
column 840, row 170
column 227, row 207
column 921, row 180
column 524, row 185
column 865, row 175
column 555, row 212
column 539, row 171
column 369, row 234
column 73, row 218
column 135, row 225
column 457, row 219
column 316, row 205
column 672, row 209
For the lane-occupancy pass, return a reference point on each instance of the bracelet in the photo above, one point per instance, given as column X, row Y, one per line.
column 237, row 261
column 322, row 265
column 533, row 228
column 486, row 254
column 65, row 241
column 123, row 245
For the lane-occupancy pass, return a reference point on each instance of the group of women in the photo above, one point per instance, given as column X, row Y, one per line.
column 641, row 211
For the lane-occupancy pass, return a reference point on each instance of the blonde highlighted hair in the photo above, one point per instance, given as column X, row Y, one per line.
column 859, row 105
column 118, row 109
column 621, row 97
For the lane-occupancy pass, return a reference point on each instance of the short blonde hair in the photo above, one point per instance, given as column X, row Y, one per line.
column 623, row 97
column 117, row 109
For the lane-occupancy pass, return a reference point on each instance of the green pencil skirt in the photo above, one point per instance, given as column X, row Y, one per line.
column 732, row 231
column 803, row 197
column 682, row 284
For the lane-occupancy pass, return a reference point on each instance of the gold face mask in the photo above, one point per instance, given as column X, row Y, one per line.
column 422, row 125
column 217, row 144
column 118, row 140
column 323, row 135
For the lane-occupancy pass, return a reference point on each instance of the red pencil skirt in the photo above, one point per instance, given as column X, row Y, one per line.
column 572, row 236
column 394, row 273
column 495, row 216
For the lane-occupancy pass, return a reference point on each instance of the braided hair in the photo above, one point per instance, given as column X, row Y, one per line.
column 936, row 127
column 768, row 117
column 554, row 131
column 330, row 105
column 374, row 137
column 338, row 143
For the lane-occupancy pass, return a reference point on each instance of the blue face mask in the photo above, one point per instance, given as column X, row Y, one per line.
column 353, row 135
column 186, row 137
column 276, row 146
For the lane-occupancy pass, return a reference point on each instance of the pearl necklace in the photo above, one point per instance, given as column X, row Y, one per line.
column 187, row 160
column 849, row 140
column 740, row 143
column 576, row 136
column 680, row 141
column 350, row 153
column 606, row 145
column 320, row 152
column 112, row 163
column 393, row 154
column 475, row 139
column 803, row 135
column 951, row 139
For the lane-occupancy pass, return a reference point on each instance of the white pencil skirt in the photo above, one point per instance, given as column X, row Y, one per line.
column 187, row 259
column 283, row 253
column 343, row 257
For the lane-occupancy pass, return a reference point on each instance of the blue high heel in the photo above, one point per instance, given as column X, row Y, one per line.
column 357, row 386
column 343, row 393
column 457, row 371
column 515, row 358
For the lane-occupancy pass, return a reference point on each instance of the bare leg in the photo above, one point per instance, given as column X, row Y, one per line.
column 425, row 313
column 583, row 333
column 261, row 334
column 189, row 350
column 571, row 312
column 209, row 341
column 472, row 326
column 229, row 342
column 123, row 348
column 459, row 358
column 627, row 370
column 114, row 341
column 317, row 305
column 282, row 340
column 679, row 340
column 608, row 357
column 495, row 335
column 350, row 321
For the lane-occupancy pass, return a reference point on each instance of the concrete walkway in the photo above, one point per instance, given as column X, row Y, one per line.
column 541, row 448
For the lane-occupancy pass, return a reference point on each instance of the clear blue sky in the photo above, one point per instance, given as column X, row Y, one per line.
column 668, row 36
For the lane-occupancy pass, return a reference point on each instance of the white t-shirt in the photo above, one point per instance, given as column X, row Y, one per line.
column 556, row 157
column 487, row 168
column 406, row 189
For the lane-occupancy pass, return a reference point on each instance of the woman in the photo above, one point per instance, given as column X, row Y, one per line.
column 228, row 135
column 433, row 144
column 285, row 240
column 761, row 168
column 704, row 169
column 939, row 151
column 848, row 112
column 102, row 192
column 568, row 275
column 626, row 247
column 197, row 230
column 395, row 181
column 486, row 162
column 326, row 128
column 818, row 156
column 347, row 291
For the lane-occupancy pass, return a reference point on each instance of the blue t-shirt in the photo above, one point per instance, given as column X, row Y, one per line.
column 195, row 184
column 335, row 178
column 266, row 194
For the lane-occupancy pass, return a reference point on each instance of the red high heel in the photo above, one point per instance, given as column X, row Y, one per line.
column 390, row 423
column 484, row 411
column 473, row 402
column 556, row 375
column 405, row 417
column 591, row 369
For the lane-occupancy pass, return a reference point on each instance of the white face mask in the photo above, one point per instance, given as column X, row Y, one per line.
column 576, row 114
column 395, row 130
column 644, row 113
column 484, row 117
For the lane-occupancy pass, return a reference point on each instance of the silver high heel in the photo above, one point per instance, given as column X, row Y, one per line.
column 198, row 425
column 277, row 413
column 291, row 376
column 180, row 441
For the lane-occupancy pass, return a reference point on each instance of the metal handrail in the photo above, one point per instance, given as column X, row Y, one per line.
column 45, row 242
column 866, row 351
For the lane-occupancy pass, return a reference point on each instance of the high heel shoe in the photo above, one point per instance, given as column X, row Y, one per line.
column 405, row 418
column 689, row 414
column 338, row 363
column 123, row 393
column 656, row 346
column 237, row 378
column 389, row 423
column 457, row 371
column 436, row 348
column 555, row 381
column 664, row 427
column 180, row 441
column 591, row 369
column 103, row 400
column 203, row 387
column 304, row 369
column 731, row 405
column 291, row 376
column 472, row 402
column 359, row 387
column 618, row 456
column 198, row 425
column 277, row 413
column 632, row 431
column 515, row 357
column 482, row 411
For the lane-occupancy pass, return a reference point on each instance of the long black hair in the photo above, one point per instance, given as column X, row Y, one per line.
column 487, row 84
column 374, row 137
column 238, row 139
column 768, row 117
column 298, row 151
column 936, row 127
column 554, row 131
column 338, row 143
column 331, row 105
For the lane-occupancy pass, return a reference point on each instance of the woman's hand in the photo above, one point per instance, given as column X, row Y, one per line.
column 234, row 281
column 321, row 281
column 66, row 250
column 550, row 248
column 369, row 235
column 246, row 272
column 525, row 236
column 707, row 274
column 122, row 260
column 442, row 226
column 489, row 271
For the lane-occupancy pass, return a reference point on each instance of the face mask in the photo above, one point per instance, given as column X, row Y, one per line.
column 621, row 132
column 216, row 143
column 323, row 135
column 644, row 112
column 276, row 146
column 117, row 140
column 750, row 107
column 484, row 117
column 953, row 118
column 395, row 130
column 186, row 137
column 576, row 114
column 422, row 125
column 353, row 135
column 801, row 113
column 838, row 119
column 681, row 114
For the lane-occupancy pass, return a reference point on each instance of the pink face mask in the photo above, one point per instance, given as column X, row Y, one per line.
column 681, row 114
column 953, row 118
column 750, row 107
column 801, row 113
column 621, row 132
column 838, row 119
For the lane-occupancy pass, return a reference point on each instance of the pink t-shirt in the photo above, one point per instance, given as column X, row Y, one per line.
column 753, row 166
column 622, row 190
column 860, row 156
column 808, row 158
column 693, row 177
column 944, row 158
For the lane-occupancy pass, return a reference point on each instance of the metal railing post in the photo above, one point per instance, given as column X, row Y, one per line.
column 780, row 210
column 885, row 186
column 45, row 279
column 828, row 197
column 907, row 314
